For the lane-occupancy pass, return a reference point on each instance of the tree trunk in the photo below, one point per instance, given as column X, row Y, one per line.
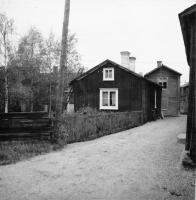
column 62, row 72
column 6, row 74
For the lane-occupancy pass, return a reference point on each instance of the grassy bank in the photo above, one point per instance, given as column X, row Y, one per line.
column 15, row 151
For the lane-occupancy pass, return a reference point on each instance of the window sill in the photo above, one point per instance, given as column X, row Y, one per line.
column 108, row 79
column 108, row 108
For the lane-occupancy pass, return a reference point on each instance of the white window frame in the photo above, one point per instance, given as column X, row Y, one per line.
column 104, row 74
column 101, row 97
column 159, row 79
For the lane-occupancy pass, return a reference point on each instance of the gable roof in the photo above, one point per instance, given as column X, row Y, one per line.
column 161, row 67
column 100, row 65
column 185, row 85
column 113, row 63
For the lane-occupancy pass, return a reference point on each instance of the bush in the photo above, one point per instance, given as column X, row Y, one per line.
column 89, row 123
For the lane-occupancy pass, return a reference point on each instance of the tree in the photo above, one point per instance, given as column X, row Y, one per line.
column 37, row 56
column 73, row 57
column 6, row 53
column 51, row 57
column 50, row 54
column 29, row 57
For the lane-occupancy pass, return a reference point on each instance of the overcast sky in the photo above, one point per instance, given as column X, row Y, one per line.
column 149, row 29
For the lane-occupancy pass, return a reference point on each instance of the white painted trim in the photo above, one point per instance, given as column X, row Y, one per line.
column 101, row 96
column 108, row 79
column 167, row 82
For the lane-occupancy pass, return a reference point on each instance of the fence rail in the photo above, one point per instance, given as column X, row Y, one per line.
column 81, row 128
column 25, row 126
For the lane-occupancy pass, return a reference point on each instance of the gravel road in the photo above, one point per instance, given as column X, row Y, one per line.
column 140, row 163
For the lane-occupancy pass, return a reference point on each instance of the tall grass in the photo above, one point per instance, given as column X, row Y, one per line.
column 14, row 151
column 86, row 124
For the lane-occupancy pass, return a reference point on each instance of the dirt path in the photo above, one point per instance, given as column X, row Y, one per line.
column 140, row 163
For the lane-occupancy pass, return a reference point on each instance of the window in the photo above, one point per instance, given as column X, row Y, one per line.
column 108, row 74
column 109, row 99
column 163, row 82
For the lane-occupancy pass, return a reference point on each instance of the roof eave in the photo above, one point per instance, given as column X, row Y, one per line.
column 159, row 68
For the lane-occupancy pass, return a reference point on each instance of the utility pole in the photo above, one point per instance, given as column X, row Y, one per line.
column 62, row 72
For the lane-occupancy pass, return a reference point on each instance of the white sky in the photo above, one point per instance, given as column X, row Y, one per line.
column 149, row 29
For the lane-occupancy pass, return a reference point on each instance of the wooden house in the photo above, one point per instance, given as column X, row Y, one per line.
column 184, row 91
column 169, row 79
column 112, row 87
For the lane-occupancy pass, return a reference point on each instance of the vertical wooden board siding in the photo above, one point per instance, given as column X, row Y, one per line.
column 134, row 92
column 172, row 92
column 144, row 101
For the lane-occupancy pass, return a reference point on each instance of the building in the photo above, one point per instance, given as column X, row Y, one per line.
column 169, row 79
column 112, row 87
column 188, row 26
column 184, row 91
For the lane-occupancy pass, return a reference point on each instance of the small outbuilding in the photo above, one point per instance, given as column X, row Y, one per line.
column 169, row 80
column 112, row 87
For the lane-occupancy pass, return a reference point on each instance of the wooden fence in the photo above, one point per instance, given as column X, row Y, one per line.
column 81, row 128
column 23, row 126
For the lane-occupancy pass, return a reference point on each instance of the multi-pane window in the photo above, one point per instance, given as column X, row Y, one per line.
column 163, row 81
column 109, row 99
column 108, row 74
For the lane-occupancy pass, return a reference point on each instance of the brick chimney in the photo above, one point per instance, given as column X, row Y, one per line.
column 125, row 59
column 132, row 63
column 159, row 63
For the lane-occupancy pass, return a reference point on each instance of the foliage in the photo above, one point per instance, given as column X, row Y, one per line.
column 12, row 152
column 6, row 46
column 30, row 74
column 73, row 57
column 88, row 123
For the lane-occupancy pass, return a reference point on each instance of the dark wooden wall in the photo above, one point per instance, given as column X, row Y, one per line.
column 129, row 86
column 173, row 91
column 135, row 93
column 148, row 100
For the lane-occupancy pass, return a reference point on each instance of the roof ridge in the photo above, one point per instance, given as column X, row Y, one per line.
column 162, row 65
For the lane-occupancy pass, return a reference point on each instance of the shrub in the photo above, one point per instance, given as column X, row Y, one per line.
column 88, row 123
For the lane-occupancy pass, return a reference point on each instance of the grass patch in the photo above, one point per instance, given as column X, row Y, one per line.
column 15, row 151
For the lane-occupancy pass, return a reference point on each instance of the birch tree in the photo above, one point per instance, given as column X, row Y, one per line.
column 6, row 30
column 51, row 54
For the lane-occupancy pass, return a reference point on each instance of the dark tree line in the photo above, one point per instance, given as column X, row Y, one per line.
column 27, row 72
